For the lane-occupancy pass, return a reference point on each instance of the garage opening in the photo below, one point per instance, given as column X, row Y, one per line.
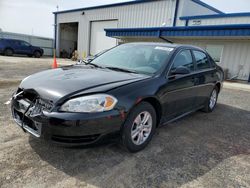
column 68, row 39
column 99, row 41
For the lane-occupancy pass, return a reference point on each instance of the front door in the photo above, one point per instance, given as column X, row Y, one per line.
column 24, row 48
column 179, row 92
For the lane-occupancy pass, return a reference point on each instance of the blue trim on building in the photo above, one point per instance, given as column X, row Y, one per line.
column 207, row 6
column 176, row 12
column 105, row 6
column 216, row 16
column 200, row 31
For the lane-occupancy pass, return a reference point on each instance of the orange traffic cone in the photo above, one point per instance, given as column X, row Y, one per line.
column 54, row 65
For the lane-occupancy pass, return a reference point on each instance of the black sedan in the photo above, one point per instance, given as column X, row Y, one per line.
column 131, row 90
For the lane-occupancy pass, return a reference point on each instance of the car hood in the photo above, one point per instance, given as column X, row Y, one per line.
column 59, row 83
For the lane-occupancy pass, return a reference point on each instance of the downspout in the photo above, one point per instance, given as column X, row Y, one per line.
column 176, row 12
column 159, row 35
column 55, row 30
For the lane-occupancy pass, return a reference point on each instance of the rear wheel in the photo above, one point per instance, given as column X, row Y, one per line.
column 212, row 101
column 37, row 54
column 8, row 52
column 139, row 127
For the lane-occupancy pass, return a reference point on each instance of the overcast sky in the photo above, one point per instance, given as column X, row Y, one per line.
column 35, row 16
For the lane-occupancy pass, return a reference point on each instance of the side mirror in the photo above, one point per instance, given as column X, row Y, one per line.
column 180, row 70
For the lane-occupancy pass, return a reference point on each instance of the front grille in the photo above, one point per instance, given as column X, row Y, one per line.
column 35, row 99
column 26, row 105
column 27, row 124
column 75, row 139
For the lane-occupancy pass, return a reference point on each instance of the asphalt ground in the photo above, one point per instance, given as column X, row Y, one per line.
column 200, row 150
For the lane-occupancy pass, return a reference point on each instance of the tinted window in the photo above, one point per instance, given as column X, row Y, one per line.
column 23, row 43
column 14, row 42
column 201, row 60
column 184, row 58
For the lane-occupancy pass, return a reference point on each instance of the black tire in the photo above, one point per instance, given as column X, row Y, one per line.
column 207, row 107
column 126, row 137
column 8, row 52
column 37, row 54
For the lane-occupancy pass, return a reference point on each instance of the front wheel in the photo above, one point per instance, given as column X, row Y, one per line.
column 212, row 101
column 139, row 127
column 37, row 54
column 8, row 52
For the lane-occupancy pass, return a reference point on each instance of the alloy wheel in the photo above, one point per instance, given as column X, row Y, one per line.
column 213, row 99
column 141, row 128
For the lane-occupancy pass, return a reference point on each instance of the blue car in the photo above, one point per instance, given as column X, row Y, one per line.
column 9, row 47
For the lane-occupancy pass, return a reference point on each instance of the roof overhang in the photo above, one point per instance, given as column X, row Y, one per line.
column 104, row 6
column 211, row 16
column 239, row 30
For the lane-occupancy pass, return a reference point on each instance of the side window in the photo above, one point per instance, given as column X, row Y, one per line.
column 202, row 61
column 184, row 58
column 23, row 43
column 16, row 43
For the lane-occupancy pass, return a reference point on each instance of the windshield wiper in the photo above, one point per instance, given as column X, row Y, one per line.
column 95, row 65
column 122, row 70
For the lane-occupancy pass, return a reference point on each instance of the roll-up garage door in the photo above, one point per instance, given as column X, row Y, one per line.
column 99, row 41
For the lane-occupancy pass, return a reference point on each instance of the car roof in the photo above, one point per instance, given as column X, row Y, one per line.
column 170, row 45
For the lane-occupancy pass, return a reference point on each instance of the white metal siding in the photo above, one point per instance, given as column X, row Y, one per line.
column 222, row 21
column 148, row 14
column 190, row 8
column 235, row 56
column 99, row 41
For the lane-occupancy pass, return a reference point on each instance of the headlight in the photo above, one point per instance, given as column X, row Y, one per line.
column 92, row 103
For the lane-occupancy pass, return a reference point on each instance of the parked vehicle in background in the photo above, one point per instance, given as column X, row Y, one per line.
column 9, row 47
column 130, row 90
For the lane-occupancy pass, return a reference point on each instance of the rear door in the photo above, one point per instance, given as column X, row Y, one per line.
column 25, row 48
column 179, row 92
column 205, row 77
column 15, row 45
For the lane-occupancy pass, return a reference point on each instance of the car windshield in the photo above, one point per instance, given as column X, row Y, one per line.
column 139, row 58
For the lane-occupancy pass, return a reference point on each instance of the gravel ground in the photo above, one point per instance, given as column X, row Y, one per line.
column 200, row 150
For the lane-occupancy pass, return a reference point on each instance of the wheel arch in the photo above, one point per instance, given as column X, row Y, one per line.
column 37, row 50
column 157, row 106
column 10, row 48
column 218, row 85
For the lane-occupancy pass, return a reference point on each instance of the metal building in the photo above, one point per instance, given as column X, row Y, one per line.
column 45, row 43
column 93, row 29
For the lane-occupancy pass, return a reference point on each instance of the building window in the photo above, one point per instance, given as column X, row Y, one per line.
column 215, row 51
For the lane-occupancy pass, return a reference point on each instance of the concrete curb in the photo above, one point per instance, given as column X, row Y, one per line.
column 236, row 86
